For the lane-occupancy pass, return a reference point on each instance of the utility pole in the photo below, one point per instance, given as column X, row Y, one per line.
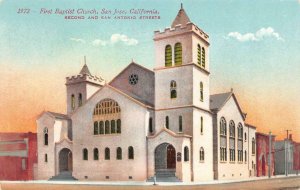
column 286, row 156
column 270, row 153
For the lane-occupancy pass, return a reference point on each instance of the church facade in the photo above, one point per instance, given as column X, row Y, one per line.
column 145, row 123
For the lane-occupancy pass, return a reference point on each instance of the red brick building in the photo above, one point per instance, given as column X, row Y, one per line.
column 18, row 153
column 296, row 156
column 262, row 154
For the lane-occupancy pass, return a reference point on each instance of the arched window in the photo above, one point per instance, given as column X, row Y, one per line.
column 240, row 142
column 180, row 123
column 178, row 54
column 168, row 56
column 245, row 155
column 201, row 91
column 173, row 89
column 107, row 154
column 223, row 140
column 46, row 136
column 186, row 154
column 201, row 154
column 203, row 57
column 201, row 125
column 245, row 136
column 232, row 141
column 130, row 153
column 46, row 157
column 107, row 130
column 199, row 54
column 101, row 127
column 104, row 110
column 85, row 154
column 96, row 154
column 167, row 122
column 150, row 125
column 79, row 99
column 119, row 153
column 253, row 146
column 96, row 128
column 73, row 101
column 113, row 126
column 119, row 126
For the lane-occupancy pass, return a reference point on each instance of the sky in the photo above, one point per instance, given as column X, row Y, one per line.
column 254, row 49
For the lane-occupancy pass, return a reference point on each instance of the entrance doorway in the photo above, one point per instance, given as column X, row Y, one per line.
column 263, row 165
column 65, row 160
column 165, row 158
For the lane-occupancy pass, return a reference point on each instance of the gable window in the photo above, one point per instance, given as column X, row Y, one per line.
column 201, row 91
column 73, row 101
column 113, row 126
column 46, row 136
column 223, row 140
column 96, row 128
column 107, row 117
column 101, row 127
column 107, row 130
column 79, row 99
column 173, row 89
column 201, row 154
column 232, row 141
column 167, row 122
column 203, row 57
column 199, row 54
column 119, row 153
column 130, row 153
column 240, row 142
column 119, row 126
column 150, row 125
column 107, row 154
column 186, row 154
column 85, row 154
column 201, row 125
column 96, row 154
column 168, row 56
column 178, row 54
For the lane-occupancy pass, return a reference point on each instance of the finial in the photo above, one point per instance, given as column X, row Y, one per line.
column 84, row 59
column 231, row 90
column 181, row 6
column 132, row 60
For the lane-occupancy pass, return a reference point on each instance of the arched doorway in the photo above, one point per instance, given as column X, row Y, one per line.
column 263, row 166
column 165, row 158
column 65, row 160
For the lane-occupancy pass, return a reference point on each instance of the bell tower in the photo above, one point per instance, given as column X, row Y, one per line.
column 181, row 56
column 80, row 87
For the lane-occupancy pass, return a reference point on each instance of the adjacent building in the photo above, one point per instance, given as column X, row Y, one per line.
column 18, row 156
column 262, row 154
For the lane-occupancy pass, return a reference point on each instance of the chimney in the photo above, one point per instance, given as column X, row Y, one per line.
column 290, row 137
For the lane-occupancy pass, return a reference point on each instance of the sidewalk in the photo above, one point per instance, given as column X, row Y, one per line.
column 137, row 183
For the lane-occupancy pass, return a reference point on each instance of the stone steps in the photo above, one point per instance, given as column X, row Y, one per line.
column 63, row 176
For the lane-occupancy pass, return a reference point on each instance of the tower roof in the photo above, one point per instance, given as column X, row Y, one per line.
column 85, row 70
column 181, row 18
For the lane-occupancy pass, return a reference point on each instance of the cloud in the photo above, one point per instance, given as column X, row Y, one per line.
column 257, row 36
column 98, row 42
column 115, row 38
column 76, row 39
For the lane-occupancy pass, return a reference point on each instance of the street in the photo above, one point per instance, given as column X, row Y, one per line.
column 290, row 183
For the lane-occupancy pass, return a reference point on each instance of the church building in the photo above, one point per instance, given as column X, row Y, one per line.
column 144, row 123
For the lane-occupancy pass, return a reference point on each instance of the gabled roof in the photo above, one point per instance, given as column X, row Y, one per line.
column 217, row 101
column 181, row 18
column 172, row 133
column 85, row 70
column 54, row 115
